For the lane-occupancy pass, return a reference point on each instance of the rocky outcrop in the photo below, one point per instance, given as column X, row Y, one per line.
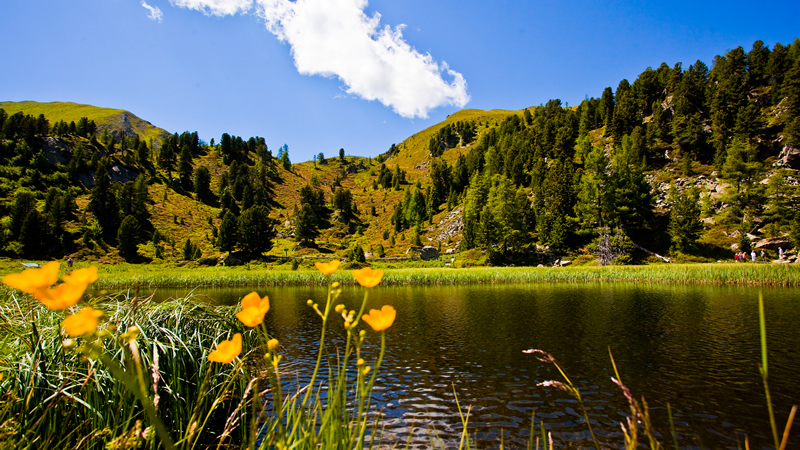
column 426, row 253
column 230, row 261
column 789, row 158
column 772, row 244
column 122, row 174
column 355, row 168
column 117, row 173
column 451, row 225
column 52, row 147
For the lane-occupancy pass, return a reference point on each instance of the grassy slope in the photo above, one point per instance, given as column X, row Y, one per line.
column 104, row 117
column 193, row 216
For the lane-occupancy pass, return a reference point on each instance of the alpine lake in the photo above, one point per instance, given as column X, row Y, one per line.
column 694, row 347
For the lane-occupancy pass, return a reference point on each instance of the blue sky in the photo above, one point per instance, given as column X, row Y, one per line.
column 320, row 75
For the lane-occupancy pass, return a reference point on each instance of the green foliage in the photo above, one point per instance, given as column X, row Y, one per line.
column 228, row 232
column 684, row 220
column 33, row 235
column 256, row 230
column 202, row 183
column 283, row 154
column 355, row 254
column 128, row 236
column 191, row 251
column 306, row 227
column 185, row 169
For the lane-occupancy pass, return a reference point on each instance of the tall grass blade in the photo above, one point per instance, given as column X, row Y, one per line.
column 785, row 439
column 762, row 326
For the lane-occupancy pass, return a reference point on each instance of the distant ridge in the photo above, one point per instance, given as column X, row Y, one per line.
column 113, row 120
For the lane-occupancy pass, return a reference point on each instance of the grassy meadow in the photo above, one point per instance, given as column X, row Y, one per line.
column 273, row 274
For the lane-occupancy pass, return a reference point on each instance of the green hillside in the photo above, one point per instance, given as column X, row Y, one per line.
column 686, row 164
column 109, row 119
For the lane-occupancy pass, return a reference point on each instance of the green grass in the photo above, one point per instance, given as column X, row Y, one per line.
column 68, row 112
column 263, row 274
column 154, row 387
column 54, row 398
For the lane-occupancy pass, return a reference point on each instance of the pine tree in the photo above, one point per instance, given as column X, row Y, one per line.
column 24, row 203
column 284, row 156
column 684, row 220
column 128, row 236
column 202, row 182
column 33, row 234
column 166, row 157
column 190, row 250
column 103, row 202
column 356, row 254
column 185, row 169
column 305, row 226
column 256, row 230
column 228, row 231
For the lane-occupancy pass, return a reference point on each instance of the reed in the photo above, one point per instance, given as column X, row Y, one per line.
column 54, row 398
column 130, row 276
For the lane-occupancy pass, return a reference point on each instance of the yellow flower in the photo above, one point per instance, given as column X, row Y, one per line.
column 85, row 321
column 380, row 320
column 368, row 277
column 253, row 309
column 328, row 267
column 227, row 350
column 82, row 276
column 62, row 296
column 32, row 280
column 272, row 345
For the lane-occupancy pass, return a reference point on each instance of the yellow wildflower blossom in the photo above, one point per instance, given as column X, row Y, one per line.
column 31, row 280
column 380, row 320
column 82, row 276
column 62, row 296
column 367, row 277
column 328, row 267
column 85, row 321
column 253, row 309
column 227, row 350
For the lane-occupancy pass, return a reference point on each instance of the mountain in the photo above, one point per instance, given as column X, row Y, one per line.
column 688, row 162
column 109, row 119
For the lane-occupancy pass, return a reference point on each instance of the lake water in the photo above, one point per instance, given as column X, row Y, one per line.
column 694, row 347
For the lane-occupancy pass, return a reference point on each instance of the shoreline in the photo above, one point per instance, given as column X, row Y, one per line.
column 738, row 274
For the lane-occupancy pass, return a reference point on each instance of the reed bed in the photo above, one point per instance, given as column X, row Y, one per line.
column 719, row 274
column 53, row 398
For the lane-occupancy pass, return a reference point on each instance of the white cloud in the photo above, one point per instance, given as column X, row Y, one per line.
column 215, row 7
column 335, row 38
column 155, row 12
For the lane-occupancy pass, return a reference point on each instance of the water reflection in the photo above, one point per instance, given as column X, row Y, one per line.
column 694, row 347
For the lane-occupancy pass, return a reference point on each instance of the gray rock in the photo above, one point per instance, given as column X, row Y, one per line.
column 231, row 261
column 789, row 157
column 428, row 252
column 122, row 174
column 52, row 150
column 773, row 244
